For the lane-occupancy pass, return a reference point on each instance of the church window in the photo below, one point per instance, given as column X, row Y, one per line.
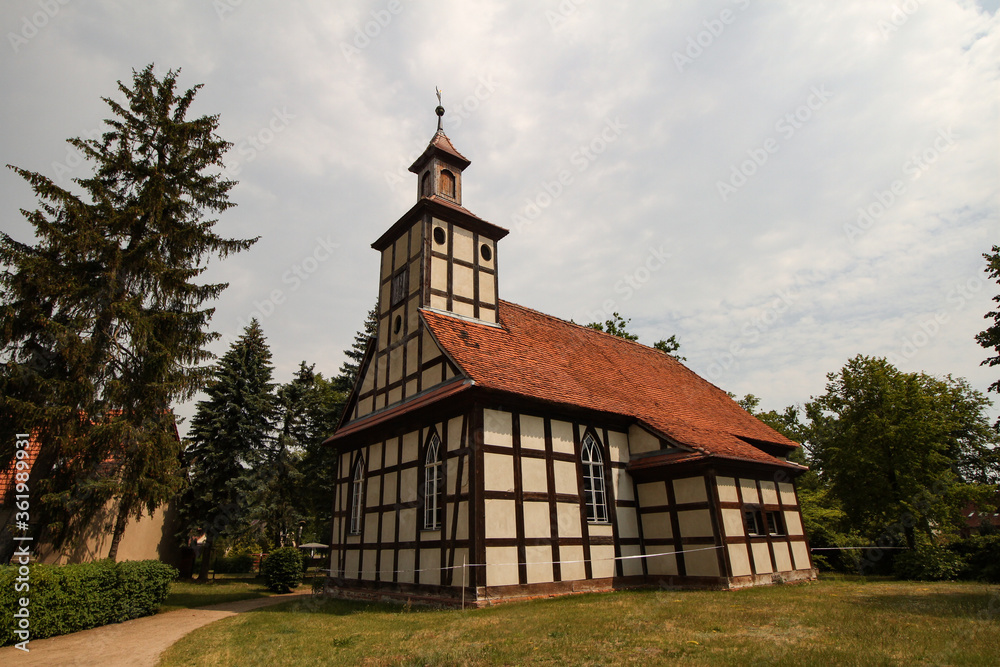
column 433, row 483
column 357, row 496
column 439, row 236
column 485, row 252
column 447, row 183
column 593, row 481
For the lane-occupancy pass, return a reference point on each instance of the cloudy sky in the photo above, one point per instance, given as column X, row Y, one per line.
column 782, row 185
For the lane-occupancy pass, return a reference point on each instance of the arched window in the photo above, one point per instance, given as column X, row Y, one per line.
column 433, row 483
column 357, row 496
column 447, row 183
column 593, row 481
column 425, row 184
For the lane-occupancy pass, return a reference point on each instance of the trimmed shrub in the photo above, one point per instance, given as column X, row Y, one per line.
column 68, row 598
column 928, row 563
column 240, row 563
column 282, row 569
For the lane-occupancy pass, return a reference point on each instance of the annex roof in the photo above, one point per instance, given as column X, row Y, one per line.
column 542, row 357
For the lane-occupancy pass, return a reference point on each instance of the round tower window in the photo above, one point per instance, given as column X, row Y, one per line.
column 439, row 235
column 486, row 252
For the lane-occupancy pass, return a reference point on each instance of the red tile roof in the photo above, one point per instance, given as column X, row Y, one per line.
column 440, row 142
column 539, row 356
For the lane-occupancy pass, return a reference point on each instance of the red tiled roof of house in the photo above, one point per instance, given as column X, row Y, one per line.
column 440, row 142
column 539, row 356
column 7, row 475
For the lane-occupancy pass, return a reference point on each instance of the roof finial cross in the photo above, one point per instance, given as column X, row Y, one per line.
column 440, row 109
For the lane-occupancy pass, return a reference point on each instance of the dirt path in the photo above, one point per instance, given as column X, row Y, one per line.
column 135, row 643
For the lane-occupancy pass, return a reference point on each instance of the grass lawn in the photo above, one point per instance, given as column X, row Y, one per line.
column 838, row 620
column 224, row 588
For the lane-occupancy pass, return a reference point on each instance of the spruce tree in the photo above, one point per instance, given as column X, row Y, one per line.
column 230, row 437
column 356, row 354
column 990, row 337
column 104, row 326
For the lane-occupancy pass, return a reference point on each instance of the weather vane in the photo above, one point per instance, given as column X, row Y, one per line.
column 440, row 109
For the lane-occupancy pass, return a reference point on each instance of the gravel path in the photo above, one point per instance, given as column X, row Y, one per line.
column 135, row 643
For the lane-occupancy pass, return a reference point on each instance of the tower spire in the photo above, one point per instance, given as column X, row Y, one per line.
column 440, row 109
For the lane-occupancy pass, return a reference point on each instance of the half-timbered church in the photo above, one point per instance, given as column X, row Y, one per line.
column 491, row 451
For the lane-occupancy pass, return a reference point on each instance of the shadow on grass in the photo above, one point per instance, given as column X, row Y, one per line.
column 938, row 604
column 336, row 607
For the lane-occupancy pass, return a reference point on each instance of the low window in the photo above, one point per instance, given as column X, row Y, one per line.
column 775, row 523
column 593, row 481
column 754, row 522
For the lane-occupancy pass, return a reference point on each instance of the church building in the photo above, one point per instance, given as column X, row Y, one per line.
column 489, row 451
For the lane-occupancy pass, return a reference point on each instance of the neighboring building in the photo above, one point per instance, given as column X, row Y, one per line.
column 492, row 448
column 151, row 537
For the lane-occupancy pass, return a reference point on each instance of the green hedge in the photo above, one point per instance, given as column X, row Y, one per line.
column 240, row 563
column 68, row 598
column 283, row 569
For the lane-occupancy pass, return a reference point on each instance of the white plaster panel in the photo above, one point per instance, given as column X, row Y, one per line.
column 408, row 485
column 462, row 528
column 800, row 554
column 690, row 490
column 782, row 559
column 487, row 314
column 532, row 432
column 372, row 497
column 374, row 457
column 430, row 377
column 739, row 560
column 695, row 523
column 732, row 523
column 727, row 489
column 787, row 492
column 386, row 263
column 501, row 566
column 368, row 570
column 565, row 477
column 411, row 447
column 533, row 477
column 462, row 281
column 455, row 433
column 389, row 487
column 462, row 244
column 408, row 524
column 439, row 302
column 641, row 441
column 388, row 527
column 562, row 437
column 371, row 527
column 405, row 567
column 618, row 446
column 631, row 566
column 487, row 294
column 488, row 263
column 497, row 428
column 352, row 564
column 600, row 530
column 569, row 520
column 656, row 526
column 498, row 472
column 537, row 520
column 430, row 566
column 793, row 522
column 769, row 493
column 652, row 494
column 430, row 348
column 463, row 309
column 663, row 566
column 748, row 488
column 402, row 251
column 571, row 565
column 386, row 566
column 395, row 395
column 602, row 561
column 701, row 563
column 761, row 557
column 500, row 518
column 627, row 524
column 413, row 274
column 412, row 314
column 439, row 273
column 622, row 483
column 539, row 564
column 391, row 452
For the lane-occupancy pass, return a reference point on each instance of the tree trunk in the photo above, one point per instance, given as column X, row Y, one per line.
column 120, row 522
column 206, row 559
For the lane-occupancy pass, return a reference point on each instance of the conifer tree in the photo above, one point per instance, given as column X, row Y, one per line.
column 356, row 354
column 990, row 337
column 231, row 433
column 103, row 323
